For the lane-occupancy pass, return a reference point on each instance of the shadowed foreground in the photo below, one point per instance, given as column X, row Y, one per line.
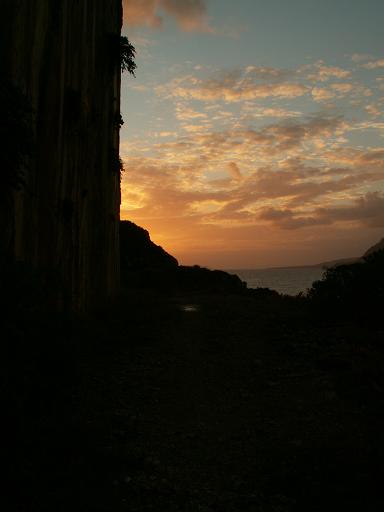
column 237, row 405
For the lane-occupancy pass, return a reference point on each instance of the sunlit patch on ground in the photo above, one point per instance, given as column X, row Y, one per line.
column 190, row 308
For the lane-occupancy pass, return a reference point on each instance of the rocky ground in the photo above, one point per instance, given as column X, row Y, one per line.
column 201, row 404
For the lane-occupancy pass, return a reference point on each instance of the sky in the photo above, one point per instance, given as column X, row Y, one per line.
column 253, row 132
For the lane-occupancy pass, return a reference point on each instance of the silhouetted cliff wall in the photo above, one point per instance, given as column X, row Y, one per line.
column 64, row 57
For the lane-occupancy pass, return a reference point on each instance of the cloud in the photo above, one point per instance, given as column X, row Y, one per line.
column 178, row 180
column 374, row 64
column 324, row 73
column 266, row 73
column 369, row 159
column 251, row 84
column 240, row 154
column 194, row 128
column 252, row 111
column 322, row 94
column 234, row 171
column 184, row 113
column 190, row 15
column 241, row 91
column 360, row 57
column 367, row 211
column 294, row 185
column 166, row 134
column 339, row 90
column 141, row 12
column 195, row 200
column 374, row 110
column 248, row 144
column 235, row 86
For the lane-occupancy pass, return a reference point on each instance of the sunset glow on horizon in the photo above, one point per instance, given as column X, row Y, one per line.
column 253, row 132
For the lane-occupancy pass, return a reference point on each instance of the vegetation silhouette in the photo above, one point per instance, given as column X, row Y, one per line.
column 127, row 56
column 353, row 291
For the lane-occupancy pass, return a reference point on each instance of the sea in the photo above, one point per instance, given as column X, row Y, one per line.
column 285, row 280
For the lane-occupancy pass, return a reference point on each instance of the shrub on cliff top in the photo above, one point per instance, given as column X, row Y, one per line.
column 127, row 55
column 352, row 291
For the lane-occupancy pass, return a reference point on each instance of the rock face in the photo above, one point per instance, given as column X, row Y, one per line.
column 139, row 252
column 63, row 57
column 142, row 261
column 145, row 264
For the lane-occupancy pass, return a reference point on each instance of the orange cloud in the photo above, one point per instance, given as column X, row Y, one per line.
column 199, row 217
column 184, row 113
column 141, row 12
column 324, row 73
column 234, row 171
column 190, row 15
column 367, row 159
column 236, row 226
column 212, row 91
column 374, row 64
column 176, row 181
column 374, row 110
column 252, row 111
column 217, row 182
column 367, row 210
column 339, row 90
column 250, row 83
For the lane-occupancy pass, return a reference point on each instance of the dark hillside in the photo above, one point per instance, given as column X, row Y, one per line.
column 145, row 264
column 138, row 252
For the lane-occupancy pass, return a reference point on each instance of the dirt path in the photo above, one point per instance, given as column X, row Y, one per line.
column 222, row 409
